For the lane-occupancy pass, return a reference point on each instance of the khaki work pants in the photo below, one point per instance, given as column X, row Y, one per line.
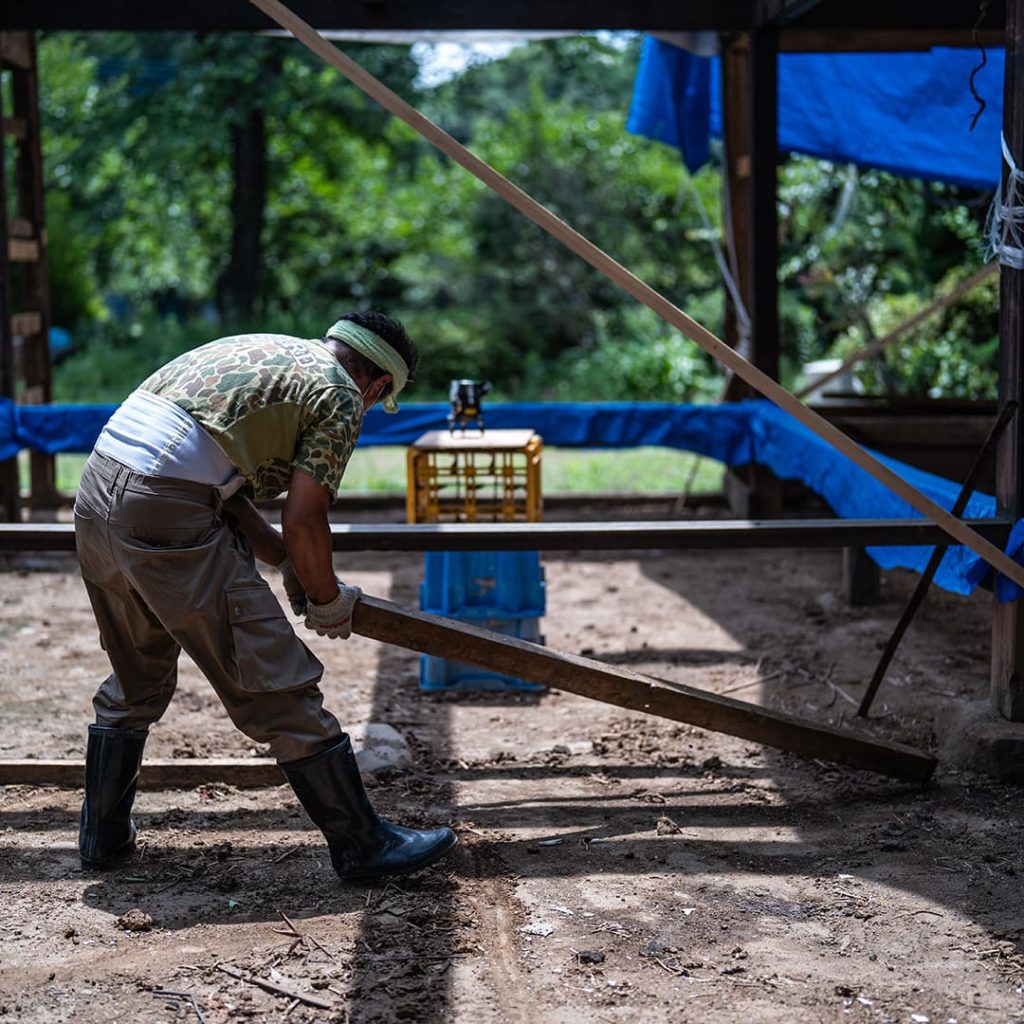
column 165, row 573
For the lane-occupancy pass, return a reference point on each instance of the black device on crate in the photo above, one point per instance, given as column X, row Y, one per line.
column 466, row 397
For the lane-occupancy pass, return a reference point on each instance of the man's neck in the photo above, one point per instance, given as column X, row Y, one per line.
column 342, row 353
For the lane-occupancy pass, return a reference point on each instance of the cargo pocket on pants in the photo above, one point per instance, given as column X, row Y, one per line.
column 268, row 654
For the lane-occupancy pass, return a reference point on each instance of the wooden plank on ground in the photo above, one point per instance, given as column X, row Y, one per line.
column 671, row 534
column 612, row 684
column 634, row 286
column 157, row 773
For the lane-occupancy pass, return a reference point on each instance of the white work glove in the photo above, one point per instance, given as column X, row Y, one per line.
column 292, row 587
column 334, row 619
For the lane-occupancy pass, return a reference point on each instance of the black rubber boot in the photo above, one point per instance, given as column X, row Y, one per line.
column 362, row 844
column 112, row 762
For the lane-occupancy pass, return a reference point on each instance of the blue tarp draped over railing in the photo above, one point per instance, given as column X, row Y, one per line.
column 909, row 113
column 735, row 433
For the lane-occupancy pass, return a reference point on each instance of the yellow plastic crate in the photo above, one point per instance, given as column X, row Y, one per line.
column 475, row 476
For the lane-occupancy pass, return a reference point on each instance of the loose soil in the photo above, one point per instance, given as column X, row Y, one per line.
column 613, row 867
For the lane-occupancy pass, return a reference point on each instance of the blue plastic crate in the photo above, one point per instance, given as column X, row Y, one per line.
column 440, row 675
column 473, row 585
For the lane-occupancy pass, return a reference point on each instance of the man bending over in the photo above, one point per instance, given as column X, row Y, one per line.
column 167, row 538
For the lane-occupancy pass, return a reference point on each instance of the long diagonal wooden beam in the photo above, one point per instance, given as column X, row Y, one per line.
column 613, row 684
column 640, row 290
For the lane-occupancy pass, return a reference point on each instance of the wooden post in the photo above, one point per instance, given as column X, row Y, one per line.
column 736, row 185
column 750, row 128
column 1008, row 619
column 35, row 291
column 9, row 498
column 764, row 234
column 750, row 116
column 862, row 580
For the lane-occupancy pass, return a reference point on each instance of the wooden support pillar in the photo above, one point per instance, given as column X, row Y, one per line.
column 862, row 581
column 35, row 289
column 753, row 492
column 736, row 178
column 750, row 130
column 763, row 243
column 9, row 503
column 1008, row 619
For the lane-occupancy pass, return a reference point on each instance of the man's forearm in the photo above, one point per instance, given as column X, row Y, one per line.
column 266, row 543
column 308, row 541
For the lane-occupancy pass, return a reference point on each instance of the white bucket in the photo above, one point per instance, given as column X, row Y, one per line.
column 820, row 369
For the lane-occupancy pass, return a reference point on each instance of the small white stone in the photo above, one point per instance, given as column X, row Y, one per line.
column 541, row 928
column 378, row 747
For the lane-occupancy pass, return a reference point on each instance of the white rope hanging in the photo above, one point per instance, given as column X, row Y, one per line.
column 1004, row 230
column 743, row 327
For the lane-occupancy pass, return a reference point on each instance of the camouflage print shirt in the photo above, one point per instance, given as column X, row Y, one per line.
column 274, row 404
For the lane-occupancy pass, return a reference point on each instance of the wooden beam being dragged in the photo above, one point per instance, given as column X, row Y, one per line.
column 612, row 684
column 631, row 535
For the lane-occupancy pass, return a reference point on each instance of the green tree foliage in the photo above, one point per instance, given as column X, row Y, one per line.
column 585, row 73
column 863, row 251
column 165, row 232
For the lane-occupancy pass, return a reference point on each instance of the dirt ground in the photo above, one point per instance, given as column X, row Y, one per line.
column 613, row 867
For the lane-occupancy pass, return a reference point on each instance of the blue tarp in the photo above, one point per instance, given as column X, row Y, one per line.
column 734, row 433
column 908, row 113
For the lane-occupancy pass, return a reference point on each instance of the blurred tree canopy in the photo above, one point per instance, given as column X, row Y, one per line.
column 198, row 186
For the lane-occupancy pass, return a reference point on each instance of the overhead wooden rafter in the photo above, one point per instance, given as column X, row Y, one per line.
column 508, row 15
column 781, row 12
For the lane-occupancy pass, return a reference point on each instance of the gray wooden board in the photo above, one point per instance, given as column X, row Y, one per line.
column 586, row 536
column 157, row 773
